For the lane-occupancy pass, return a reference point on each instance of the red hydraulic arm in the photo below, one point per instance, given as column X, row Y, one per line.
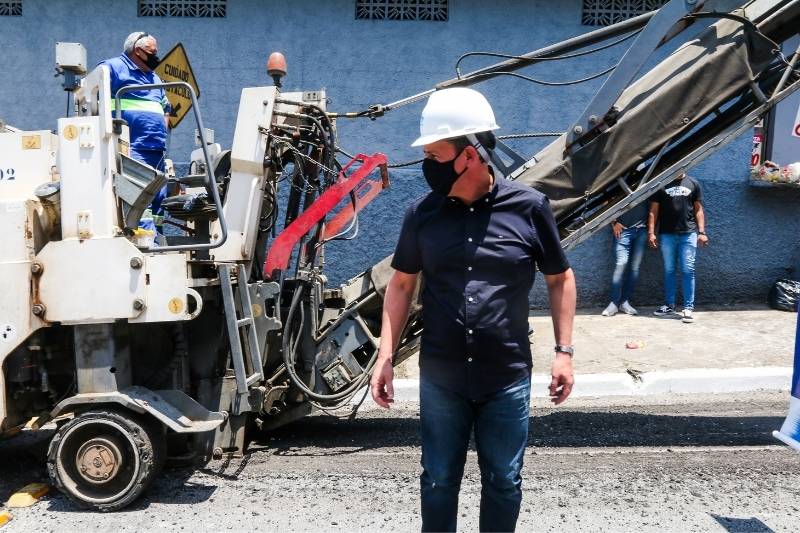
column 284, row 243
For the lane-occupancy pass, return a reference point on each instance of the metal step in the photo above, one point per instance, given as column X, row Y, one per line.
column 246, row 357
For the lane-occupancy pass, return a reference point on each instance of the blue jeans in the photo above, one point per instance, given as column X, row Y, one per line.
column 683, row 247
column 629, row 250
column 500, row 422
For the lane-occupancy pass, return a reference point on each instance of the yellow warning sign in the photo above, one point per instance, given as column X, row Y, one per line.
column 175, row 67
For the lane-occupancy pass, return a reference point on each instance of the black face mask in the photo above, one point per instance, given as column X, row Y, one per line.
column 152, row 60
column 441, row 175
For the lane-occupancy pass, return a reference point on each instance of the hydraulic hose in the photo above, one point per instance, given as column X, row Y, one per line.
column 289, row 362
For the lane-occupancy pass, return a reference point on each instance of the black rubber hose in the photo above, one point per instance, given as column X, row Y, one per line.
column 288, row 360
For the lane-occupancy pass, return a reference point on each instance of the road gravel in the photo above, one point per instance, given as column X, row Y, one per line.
column 671, row 463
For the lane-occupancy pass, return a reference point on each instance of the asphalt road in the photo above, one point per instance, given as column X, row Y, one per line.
column 652, row 464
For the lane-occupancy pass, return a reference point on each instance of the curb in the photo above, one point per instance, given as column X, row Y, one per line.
column 683, row 381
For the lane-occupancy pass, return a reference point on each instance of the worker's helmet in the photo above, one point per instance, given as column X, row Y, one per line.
column 455, row 112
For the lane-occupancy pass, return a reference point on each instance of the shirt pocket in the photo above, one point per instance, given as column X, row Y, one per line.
column 508, row 256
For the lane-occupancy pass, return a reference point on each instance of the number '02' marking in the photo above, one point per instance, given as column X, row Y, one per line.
column 8, row 174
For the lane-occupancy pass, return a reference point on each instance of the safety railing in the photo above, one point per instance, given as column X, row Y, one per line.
column 210, row 184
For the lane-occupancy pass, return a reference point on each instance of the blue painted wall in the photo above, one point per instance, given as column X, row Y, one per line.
column 753, row 232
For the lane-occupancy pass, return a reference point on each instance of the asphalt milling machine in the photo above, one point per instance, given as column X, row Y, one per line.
column 140, row 350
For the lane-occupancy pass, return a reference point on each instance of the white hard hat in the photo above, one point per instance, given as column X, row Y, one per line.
column 452, row 113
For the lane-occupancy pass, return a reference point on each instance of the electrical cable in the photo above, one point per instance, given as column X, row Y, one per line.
column 527, row 135
column 392, row 165
column 543, row 82
column 406, row 163
column 341, row 236
column 378, row 110
column 542, row 58
column 307, row 158
column 748, row 24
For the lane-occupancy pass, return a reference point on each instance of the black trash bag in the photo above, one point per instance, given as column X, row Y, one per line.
column 784, row 295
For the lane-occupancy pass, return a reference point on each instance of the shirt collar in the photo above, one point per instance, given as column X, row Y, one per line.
column 487, row 199
column 128, row 61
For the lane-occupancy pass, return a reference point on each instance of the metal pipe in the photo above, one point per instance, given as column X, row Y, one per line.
column 653, row 164
column 786, row 73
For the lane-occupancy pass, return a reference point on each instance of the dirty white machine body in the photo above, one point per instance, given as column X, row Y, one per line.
column 128, row 344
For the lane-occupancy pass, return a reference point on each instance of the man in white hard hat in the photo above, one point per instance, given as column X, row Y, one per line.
column 477, row 238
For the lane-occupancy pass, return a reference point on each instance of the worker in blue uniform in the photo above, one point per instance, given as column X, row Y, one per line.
column 146, row 111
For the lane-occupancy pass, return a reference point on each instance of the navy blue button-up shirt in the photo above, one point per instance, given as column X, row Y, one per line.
column 478, row 263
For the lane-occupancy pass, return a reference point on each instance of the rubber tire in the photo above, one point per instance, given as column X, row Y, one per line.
column 150, row 440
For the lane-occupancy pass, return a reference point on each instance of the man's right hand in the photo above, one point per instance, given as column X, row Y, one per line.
column 616, row 229
column 381, row 383
column 652, row 240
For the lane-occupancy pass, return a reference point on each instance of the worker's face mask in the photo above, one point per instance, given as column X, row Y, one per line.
column 151, row 60
column 441, row 175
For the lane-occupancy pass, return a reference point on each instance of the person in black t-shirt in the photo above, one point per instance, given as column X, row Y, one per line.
column 677, row 209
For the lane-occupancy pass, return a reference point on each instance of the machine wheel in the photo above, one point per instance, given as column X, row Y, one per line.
column 104, row 459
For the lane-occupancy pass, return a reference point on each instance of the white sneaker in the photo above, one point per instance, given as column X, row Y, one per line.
column 626, row 308
column 611, row 310
column 687, row 316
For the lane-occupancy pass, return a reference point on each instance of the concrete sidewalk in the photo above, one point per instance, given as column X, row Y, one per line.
column 724, row 350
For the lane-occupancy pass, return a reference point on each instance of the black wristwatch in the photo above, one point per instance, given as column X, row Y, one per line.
column 702, row 233
column 563, row 348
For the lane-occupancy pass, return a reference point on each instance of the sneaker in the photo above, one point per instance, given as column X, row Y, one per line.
column 628, row 309
column 687, row 316
column 611, row 310
column 664, row 310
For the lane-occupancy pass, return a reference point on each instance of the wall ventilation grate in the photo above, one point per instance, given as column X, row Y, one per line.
column 608, row 12
column 11, row 8
column 425, row 10
column 183, row 8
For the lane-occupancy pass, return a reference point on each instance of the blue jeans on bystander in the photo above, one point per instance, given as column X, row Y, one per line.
column 628, row 250
column 678, row 247
column 500, row 422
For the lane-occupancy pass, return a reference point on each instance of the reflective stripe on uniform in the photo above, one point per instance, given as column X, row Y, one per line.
column 148, row 106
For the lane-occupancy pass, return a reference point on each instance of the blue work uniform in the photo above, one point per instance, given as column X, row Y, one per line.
column 144, row 112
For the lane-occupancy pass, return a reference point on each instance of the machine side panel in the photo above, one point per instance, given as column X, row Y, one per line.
column 16, row 321
column 26, row 159
column 92, row 281
column 166, row 299
column 243, row 200
column 88, row 204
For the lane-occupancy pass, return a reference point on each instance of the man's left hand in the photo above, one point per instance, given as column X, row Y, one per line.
column 702, row 240
column 563, row 379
